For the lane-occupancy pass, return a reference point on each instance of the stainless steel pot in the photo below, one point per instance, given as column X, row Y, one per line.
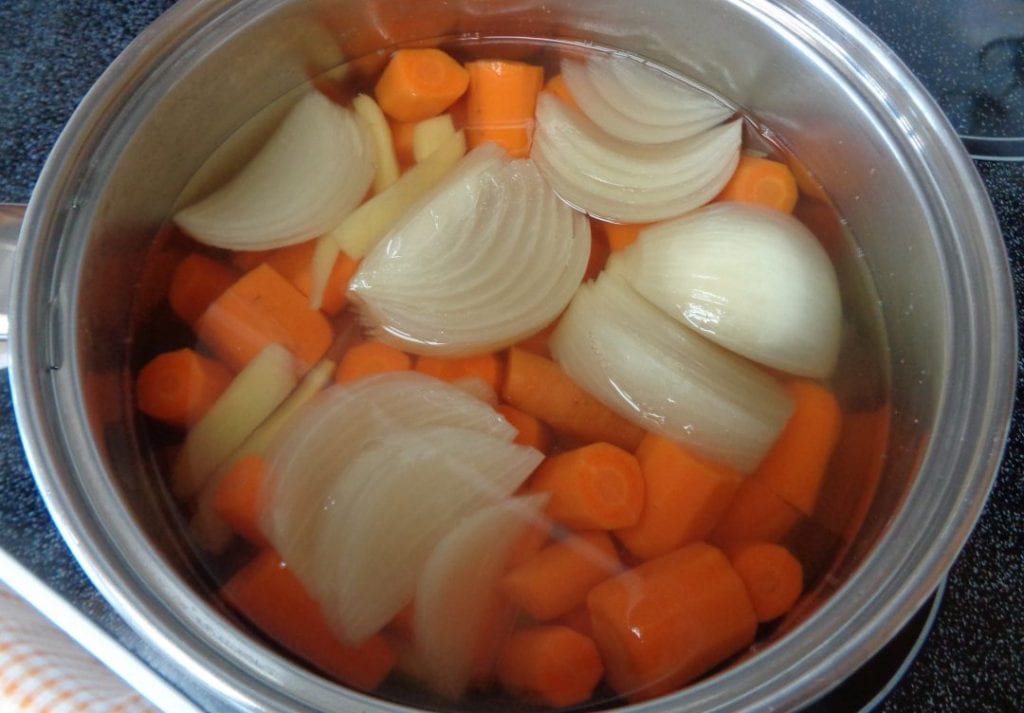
column 831, row 93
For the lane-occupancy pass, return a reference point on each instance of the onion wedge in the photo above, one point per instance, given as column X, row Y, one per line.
column 627, row 182
column 633, row 101
column 492, row 257
column 414, row 486
column 459, row 588
column 314, row 171
column 666, row 377
column 316, row 447
column 751, row 279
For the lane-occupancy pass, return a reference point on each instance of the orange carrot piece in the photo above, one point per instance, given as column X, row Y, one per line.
column 179, row 387
column 238, row 498
column 420, row 83
column 540, row 388
column 260, row 309
column 578, row 620
column 599, row 252
column 499, row 622
column 621, row 235
column 596, row 487
column 552, row 665
column 531, row 432
column 755, row 513
column 501, row 100
column 533, row 540
column 774, row 578
column 402, row 138
column 267, row 593
column 556, row 580
column 538, row 343
column 664, row 623
column 295, row 263
column 197, row 281
column 795, row 466
column 762, row 181
column 370, row 358
column 484, row 366
column 684, row 498
column 557, row 86
column 246, row 260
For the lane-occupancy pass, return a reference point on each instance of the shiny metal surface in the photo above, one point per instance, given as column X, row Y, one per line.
column 10, row 226
column 804, row 68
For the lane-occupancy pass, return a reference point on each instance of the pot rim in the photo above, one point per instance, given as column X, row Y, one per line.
column 892, row 582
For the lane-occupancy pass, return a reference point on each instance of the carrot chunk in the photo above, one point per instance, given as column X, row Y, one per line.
column 795, row 466
column 295, row 263
column 661, row 625
column 267, row 593
column 238, row 498
column 260, row 309
column 599, row 252
column 621, row 235
column 762, row 181
column 499, row 622
column 557, row 86
column 755, row 513
column 538, row 343
column 540, row 388
column 420, row 83
column 684, row 498
column 179, row 387
column 774, row 578
column 596, row 487
column 531, row 432
column 501, row 100
column 370, row 358
column 556, row 580
column 197, row 281
column 553, row 665
column 485, row 366
column 578, row 620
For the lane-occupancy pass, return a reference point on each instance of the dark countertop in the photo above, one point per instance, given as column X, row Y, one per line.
column 51, row 52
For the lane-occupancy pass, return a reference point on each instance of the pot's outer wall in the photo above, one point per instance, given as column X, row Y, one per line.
column 52, row 52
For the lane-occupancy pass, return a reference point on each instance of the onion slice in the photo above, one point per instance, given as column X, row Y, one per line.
column 754, row 280
column 313, row 172
column 414, row 487
column 490, row 259
column 666, row 377
column 331, row 430
column 458, row 590
column 633, row 101
column 254, row 394
column 626, row 182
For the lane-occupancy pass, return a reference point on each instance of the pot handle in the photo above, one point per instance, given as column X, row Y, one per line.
column 10, row 225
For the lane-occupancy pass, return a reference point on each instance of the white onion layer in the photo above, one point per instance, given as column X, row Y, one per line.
column 754, row 280
column 415, row 487
column 627, row 182
column 490, row 259
column 459, row 588
column 667, row 378
column 318, row 445
column 633, row 101
column 313, row 172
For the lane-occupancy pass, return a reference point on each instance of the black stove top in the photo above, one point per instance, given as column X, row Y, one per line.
column 970, row 53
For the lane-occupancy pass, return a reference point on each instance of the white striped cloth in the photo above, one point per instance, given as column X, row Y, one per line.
column 42, row 670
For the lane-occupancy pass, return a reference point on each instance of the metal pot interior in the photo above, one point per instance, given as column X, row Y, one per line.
column 931, row 343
